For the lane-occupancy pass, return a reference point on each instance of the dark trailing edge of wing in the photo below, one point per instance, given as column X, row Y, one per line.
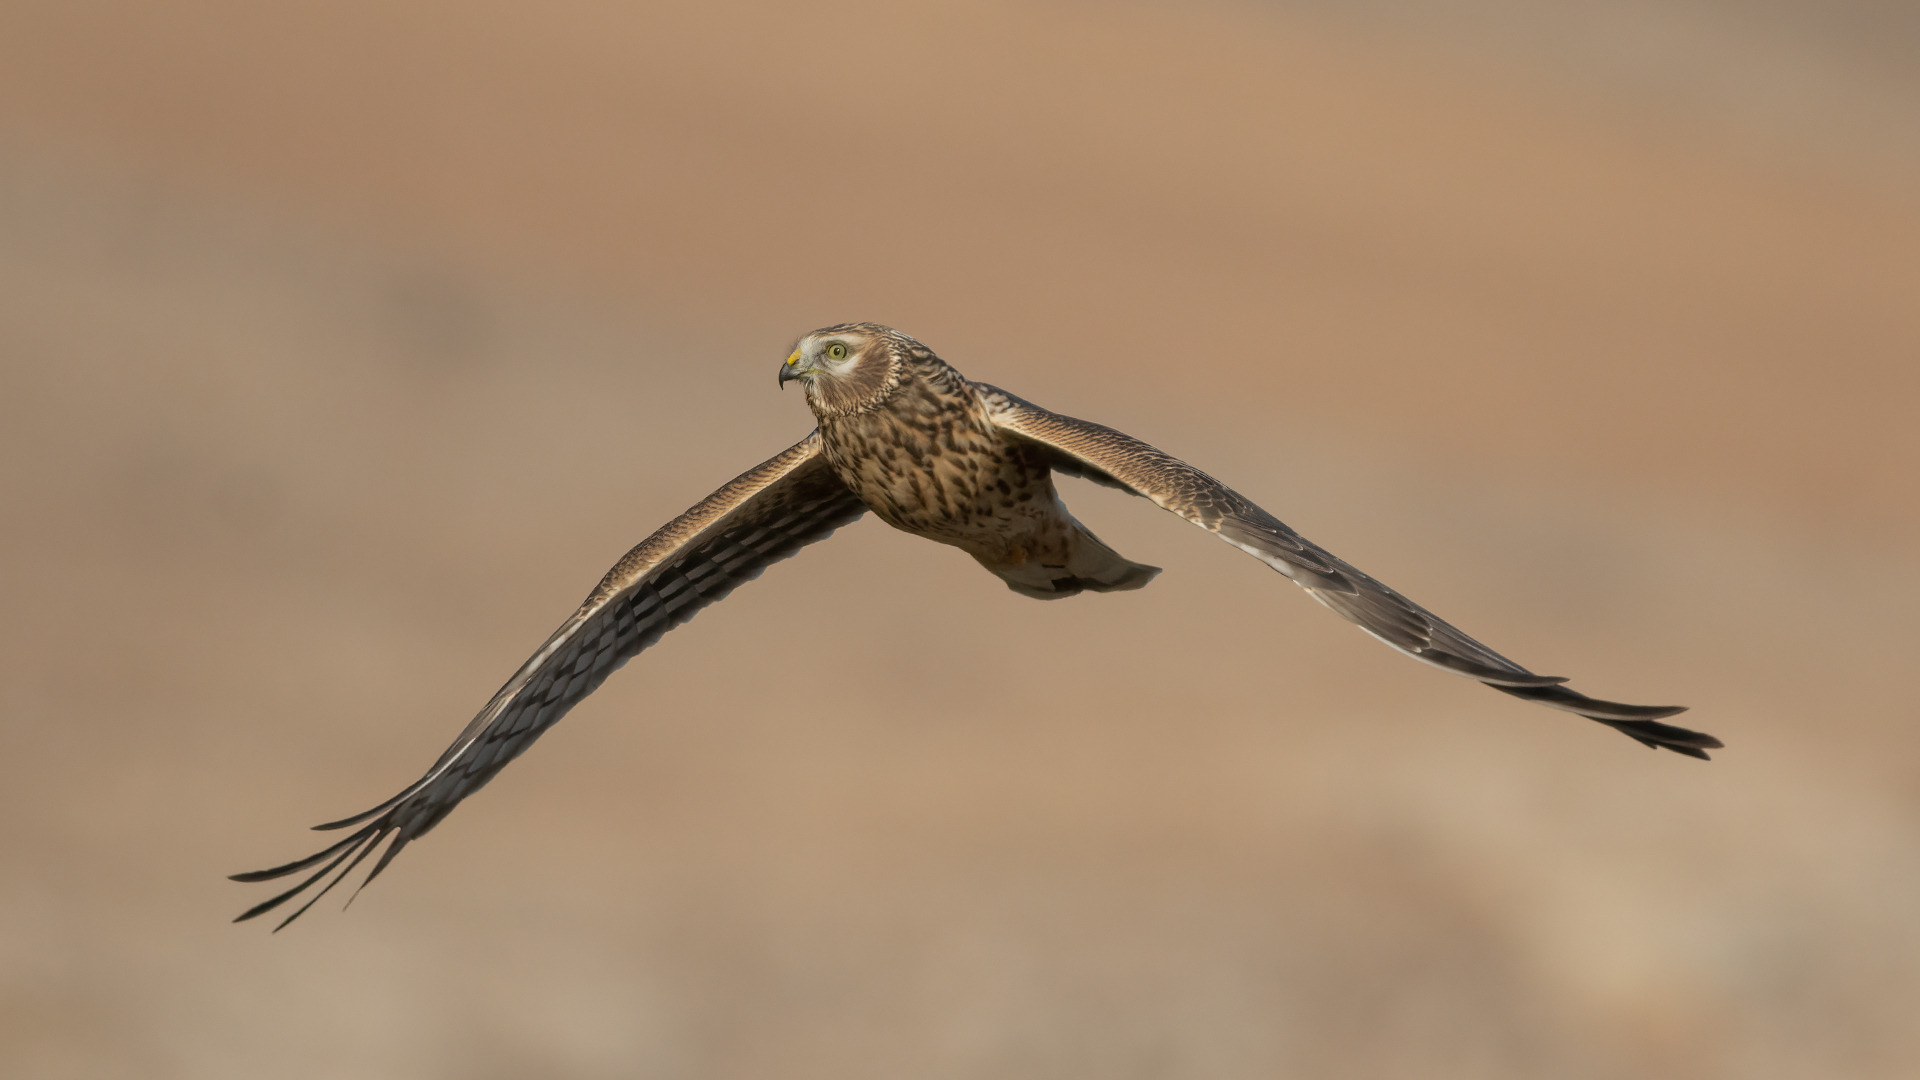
column 1639, row 722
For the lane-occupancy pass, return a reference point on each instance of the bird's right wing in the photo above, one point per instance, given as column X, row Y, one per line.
column 1110, row 457
column 763, row 516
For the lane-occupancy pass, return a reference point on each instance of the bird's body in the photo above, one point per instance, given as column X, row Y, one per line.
column 904, row 435
column 925, row 460
column 928, row 459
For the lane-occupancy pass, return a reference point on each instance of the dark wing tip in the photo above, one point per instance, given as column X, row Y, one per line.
column 1678, row 739
column 258, row 909
column 1616, row 711
column 366, row 815
column 1559, row 697
column 298, row 865
column 1685, row 751
column 1641, row 722
column 352, row 848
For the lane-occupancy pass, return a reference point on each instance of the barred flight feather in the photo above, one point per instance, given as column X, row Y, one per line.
column 765, row 515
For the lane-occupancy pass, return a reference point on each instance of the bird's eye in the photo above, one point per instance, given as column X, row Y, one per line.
column 836, row 351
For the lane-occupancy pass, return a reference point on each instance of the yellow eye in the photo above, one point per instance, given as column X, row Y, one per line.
column 836, row 351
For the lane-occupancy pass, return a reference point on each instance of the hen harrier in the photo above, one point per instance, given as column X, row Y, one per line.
column 930, row 453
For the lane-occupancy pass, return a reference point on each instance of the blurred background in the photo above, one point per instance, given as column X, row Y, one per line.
column 343, row 345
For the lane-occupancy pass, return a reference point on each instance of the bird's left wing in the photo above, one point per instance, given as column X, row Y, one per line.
column 763, row 516
column 1106, row 456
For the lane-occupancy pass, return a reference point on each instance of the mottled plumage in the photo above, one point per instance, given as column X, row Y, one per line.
column 923, row 452
column 903, row 434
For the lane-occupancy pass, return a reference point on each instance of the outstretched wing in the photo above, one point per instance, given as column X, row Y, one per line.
column 1101, row 454
column 763, row 516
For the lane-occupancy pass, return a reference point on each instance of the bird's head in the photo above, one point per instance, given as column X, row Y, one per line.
column 850, row 368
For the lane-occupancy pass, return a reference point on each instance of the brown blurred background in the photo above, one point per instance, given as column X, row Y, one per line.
column 343, row 345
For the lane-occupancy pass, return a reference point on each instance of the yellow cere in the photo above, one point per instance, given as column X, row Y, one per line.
column 794, row 359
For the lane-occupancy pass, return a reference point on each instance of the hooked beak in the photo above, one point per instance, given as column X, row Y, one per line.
column 790, row 369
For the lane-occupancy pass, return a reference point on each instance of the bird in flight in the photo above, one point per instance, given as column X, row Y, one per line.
column 932, row 453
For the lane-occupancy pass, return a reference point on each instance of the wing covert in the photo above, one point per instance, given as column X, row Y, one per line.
column 1093, row 452
column 762, row 516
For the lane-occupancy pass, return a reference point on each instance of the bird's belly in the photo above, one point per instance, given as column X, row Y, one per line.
column 983, row 498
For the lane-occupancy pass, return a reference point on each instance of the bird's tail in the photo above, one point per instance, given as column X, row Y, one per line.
column 1091, row 566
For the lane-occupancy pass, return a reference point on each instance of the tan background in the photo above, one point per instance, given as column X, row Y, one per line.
column 344, row 345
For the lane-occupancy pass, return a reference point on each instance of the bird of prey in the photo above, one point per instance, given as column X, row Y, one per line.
column 929, row 452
